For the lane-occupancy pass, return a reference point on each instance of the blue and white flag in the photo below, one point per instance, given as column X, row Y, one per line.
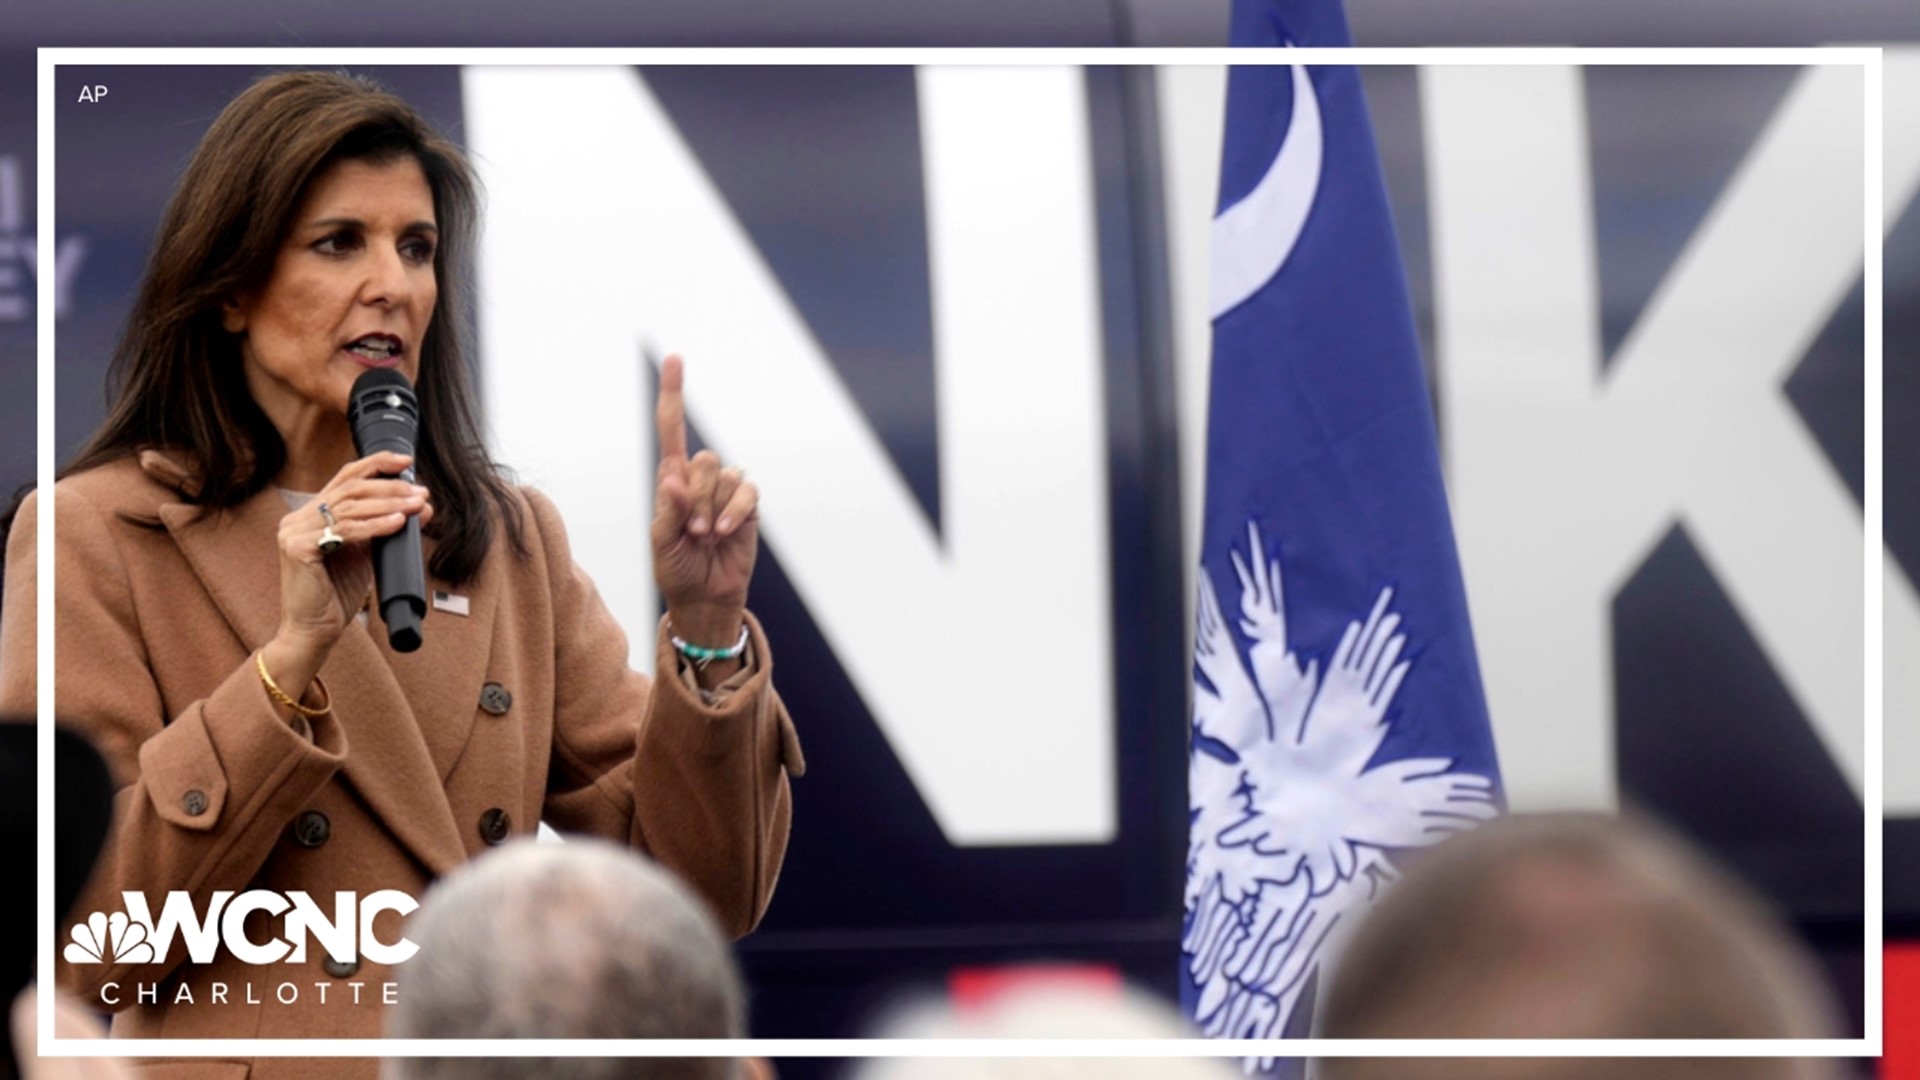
column 1338, row 717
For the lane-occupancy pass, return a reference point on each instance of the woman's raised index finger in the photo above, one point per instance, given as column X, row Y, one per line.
column 670, row 413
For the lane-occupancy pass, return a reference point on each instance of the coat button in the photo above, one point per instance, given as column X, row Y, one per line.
column 311, row 829
column 342, row 970
column 495, row 699
column 495, row 826
column 194, row 802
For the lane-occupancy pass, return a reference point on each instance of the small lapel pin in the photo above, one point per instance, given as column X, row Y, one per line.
column 450, row 603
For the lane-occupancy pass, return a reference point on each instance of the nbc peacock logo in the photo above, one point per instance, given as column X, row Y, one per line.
column 136, row 936
column 103, row 937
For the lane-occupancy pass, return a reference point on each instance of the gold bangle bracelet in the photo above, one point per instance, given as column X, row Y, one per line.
column 279, row 695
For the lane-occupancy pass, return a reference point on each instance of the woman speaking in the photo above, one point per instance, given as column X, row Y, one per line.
column 213, row 580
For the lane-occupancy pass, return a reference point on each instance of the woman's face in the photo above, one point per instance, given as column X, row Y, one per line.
column 352, row 288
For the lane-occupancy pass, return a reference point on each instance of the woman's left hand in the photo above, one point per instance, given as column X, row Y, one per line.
column 706, row 529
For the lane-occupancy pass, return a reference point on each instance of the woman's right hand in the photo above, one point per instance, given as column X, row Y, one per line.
column 321, row 592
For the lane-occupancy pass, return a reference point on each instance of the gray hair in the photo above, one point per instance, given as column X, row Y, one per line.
column 581, row 940
column 1573, row 926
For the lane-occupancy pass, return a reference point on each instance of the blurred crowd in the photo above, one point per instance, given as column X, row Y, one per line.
column 1576, row 926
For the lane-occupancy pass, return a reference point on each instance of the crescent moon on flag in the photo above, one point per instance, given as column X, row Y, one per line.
column 1253, row 237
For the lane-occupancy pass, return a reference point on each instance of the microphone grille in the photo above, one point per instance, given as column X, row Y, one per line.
column 381, row 391
column 376, row 378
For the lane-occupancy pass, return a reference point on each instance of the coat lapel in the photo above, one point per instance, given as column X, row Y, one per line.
column 444, row 677
column 233, row 553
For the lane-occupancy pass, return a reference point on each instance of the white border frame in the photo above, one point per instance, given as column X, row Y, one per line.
column 1869, row 59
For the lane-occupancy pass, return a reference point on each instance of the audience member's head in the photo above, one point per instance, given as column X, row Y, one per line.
column 83, row 807
column 1051, row 1011
column 82, row 812
column 581, row 940
column 1571, row 926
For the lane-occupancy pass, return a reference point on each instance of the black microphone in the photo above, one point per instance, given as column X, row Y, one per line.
column 385, row 415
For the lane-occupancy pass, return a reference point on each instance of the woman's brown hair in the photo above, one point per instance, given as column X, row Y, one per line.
column 176, row 380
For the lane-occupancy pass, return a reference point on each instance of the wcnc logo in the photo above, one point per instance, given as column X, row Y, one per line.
column 136, row 937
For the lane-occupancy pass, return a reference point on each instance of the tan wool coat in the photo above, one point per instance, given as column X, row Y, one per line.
column 520, row 711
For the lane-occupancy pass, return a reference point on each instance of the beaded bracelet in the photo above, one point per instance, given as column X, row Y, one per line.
column 279, row 695
column 702, row 656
